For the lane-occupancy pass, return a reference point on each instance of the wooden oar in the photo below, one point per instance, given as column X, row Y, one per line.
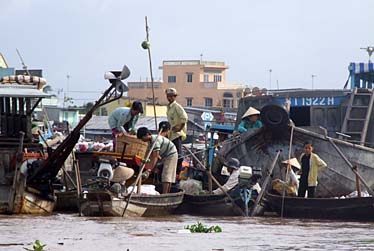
column 141, row 171
column 215, row 181
column 351, row 166
column 264, row 184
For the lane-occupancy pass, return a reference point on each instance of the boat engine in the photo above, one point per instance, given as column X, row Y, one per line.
column 248, row 178
column 105, row 169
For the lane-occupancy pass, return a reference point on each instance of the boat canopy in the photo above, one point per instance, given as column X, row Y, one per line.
column 362, row 75
column 25, row 91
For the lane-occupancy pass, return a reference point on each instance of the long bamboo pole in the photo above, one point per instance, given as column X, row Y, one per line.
column 151, row 71
column 141, row 171
column 264, row 184
column 351, row 166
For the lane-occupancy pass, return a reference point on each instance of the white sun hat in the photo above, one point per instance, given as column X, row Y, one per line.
column 251, row 111
column 293, row 162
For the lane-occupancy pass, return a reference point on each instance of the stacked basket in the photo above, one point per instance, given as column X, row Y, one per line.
column 130, row 145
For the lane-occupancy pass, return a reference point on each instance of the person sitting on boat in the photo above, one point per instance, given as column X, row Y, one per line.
column 291, row 185
column 311, row 164
column 250, row 120
column 165, row 150
column 232, row 166
column 123, row 120
column 120, row 175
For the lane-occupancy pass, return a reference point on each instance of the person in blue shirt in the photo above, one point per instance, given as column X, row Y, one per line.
column 123, row 120
column 250, row 120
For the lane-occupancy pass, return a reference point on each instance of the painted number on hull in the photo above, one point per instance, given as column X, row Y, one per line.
column 315, row 101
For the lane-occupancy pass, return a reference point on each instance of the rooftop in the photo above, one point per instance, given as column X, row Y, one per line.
column 226, row 85
column 207, row 64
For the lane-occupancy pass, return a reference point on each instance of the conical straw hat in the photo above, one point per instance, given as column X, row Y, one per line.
column 251, row 111
column 293, row 163
column 122, row 173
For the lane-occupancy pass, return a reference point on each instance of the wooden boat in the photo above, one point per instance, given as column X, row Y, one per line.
column 66, row 201
column 259, row 148
column 208, row 205
column 18, row 100
column 359, row 208
column 33, row 204
column 104, row 203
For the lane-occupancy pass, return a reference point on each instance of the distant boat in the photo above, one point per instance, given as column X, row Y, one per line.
column 358, row 208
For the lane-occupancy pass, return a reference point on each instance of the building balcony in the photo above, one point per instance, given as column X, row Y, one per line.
column 143, row 85
column 209, row 85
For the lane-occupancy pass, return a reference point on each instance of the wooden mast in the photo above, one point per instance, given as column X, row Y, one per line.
column 150, row 69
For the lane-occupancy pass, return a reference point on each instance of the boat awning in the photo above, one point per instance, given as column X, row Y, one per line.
column 361, row 67
column 361, row 75
column 21, row 91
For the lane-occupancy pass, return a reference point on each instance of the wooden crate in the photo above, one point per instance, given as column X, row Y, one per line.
column 133, row 146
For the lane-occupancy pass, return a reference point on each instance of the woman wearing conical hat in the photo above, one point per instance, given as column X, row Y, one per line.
column 250, row 120
column 291, row 184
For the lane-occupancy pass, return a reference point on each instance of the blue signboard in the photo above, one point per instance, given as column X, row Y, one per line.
column 312, row 101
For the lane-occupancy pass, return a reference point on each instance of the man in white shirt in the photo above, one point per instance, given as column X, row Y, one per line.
column 232, row 166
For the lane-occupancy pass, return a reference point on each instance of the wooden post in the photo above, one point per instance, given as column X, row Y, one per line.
column 139, row 188
column 79, row 183
column 358, row 184
column 151, row 71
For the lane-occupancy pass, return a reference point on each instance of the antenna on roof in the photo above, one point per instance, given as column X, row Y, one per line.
column 24, row 67
column 370, row 50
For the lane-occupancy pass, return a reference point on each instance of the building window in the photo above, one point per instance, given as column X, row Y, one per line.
column 206, row 77
column 228, row 100
column 217, row 78
column 208, row 102
column 155, row 85
column 136, row 85
column 228, row 103
column 189, row 77
column 172, row 79
column 104, row 111
column 189, row 101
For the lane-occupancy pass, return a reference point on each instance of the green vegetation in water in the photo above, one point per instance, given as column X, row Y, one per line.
column 38, row 246
column 201, row 228
column 362, row 241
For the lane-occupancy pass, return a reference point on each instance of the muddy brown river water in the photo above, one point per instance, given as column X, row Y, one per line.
column 70, row 232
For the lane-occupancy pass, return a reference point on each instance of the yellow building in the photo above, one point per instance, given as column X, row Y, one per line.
column 199, row 83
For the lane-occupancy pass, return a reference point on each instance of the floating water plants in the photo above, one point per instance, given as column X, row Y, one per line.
column 38, row 246
column 201, row 228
